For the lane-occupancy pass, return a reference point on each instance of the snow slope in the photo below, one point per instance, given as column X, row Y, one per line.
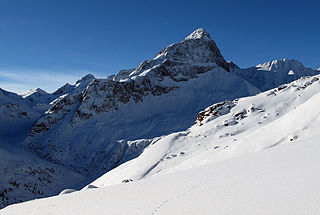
column 269, row 167
column 230, row 129
column 276, row 181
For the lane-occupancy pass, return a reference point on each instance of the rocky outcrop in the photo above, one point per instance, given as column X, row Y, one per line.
column 214, row 111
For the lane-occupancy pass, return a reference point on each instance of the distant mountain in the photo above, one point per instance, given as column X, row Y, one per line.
column 95, row 125
column 77, row 88
column 37, row 96
column 274, row 73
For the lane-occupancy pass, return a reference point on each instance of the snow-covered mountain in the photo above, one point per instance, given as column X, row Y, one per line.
column 253, row 155
column 95, row 125
column 274, row 73
column 160, row 96
column 37, row 96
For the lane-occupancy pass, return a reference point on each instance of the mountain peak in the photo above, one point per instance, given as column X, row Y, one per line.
column 37, row 91
column 86, row 77
column 85, row 80
column 281, row 65
column 200, row 33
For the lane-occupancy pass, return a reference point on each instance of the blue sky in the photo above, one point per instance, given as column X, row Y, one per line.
column 46, row 43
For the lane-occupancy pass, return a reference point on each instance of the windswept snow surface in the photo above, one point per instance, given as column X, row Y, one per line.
column 255, row 155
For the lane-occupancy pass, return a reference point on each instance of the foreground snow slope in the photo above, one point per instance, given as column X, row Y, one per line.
column 255, row 155
column 280, row 180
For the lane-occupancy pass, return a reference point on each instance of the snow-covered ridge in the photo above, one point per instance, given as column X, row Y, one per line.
column 34, row 91
column 282, row 65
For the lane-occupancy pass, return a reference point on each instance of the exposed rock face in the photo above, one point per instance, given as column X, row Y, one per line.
column 77, row 88
column 114, row 93
column 196, row 54
column 214, row 111
column 233, row 66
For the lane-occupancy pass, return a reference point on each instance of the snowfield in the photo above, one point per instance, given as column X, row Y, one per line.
column 282, row 180
column 254, row 155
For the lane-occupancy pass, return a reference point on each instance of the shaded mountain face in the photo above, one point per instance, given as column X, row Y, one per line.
column 23, row 175
column 17, row 115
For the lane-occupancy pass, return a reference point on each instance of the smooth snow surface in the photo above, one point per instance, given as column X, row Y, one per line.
column 283, row 180
column 254, row 155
